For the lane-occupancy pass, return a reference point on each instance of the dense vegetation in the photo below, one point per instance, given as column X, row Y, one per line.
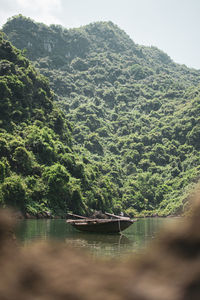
column 135, row 118
column 39, row 171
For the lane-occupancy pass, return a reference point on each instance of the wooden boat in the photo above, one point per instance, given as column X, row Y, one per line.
column 114, row 225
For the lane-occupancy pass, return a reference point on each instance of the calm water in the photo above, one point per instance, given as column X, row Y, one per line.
column 135, row 238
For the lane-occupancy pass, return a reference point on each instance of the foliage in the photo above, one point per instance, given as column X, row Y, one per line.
column 39, row 170
column 124, row 132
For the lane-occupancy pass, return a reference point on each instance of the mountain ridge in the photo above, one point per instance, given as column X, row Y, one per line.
column 134, row 111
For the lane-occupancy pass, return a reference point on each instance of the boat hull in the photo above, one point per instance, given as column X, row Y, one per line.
column 104, row 226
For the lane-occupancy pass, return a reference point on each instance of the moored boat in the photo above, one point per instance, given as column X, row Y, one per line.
column 114, row 225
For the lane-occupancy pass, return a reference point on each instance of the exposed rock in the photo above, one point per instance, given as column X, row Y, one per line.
column 48, row 214
column 29, row 216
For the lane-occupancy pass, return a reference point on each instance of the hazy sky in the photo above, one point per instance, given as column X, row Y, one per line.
column 171, row 25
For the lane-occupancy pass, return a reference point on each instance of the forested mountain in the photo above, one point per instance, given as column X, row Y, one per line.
column 39, row 171
column 134, row 113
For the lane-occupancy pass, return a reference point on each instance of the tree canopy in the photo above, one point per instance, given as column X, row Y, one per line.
column 118, row 121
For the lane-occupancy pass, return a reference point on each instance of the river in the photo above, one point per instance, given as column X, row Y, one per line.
column 133, row 239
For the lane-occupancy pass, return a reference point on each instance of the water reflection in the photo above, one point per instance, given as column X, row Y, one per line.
column 100, row 244
column 133, row 239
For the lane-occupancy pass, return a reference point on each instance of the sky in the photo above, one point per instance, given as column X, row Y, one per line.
column 170, row 25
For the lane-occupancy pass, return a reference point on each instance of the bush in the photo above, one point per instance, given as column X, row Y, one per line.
column 22, row 160
column 14, row 192
column 2, row 171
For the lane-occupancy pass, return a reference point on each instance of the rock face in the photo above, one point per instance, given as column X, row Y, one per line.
column 168, row 271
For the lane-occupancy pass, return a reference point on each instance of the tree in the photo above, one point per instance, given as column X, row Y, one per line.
column 14, row 192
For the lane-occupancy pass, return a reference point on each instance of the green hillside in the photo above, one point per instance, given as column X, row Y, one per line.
column 39, row 171
column 134, row 113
